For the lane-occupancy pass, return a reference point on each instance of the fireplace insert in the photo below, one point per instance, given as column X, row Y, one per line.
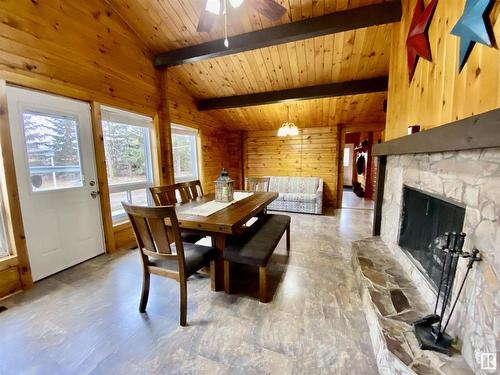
column 425, row 217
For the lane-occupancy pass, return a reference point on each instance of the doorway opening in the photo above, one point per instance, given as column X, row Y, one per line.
column 359, row 170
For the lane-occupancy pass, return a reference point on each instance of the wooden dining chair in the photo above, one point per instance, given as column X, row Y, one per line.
column 167, row 195
column 254, row 184
column 190, row 190
column 178, row 193
column 159, row 257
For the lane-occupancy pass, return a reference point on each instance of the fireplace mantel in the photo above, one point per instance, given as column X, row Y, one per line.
column 480, row 131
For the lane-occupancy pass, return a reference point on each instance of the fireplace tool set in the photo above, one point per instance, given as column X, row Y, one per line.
column 431, row 329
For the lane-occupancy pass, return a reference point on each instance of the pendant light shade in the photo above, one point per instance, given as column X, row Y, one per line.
column 294, row 130
column 213, row 6
column 284, row 130
column 235, row 3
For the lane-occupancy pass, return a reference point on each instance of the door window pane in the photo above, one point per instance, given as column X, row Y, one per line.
column 184, row 153
column 52, row 150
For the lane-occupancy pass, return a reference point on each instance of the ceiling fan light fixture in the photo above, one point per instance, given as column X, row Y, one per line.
column 213, row 6
column 235, row 3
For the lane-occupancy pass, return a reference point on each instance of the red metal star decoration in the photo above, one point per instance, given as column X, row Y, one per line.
column 417, row 42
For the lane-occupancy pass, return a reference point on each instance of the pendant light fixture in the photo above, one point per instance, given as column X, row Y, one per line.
column 288, row 128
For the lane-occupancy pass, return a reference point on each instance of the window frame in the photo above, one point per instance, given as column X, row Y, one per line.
column 111, row 114
column 4, row 224
column 177, row 129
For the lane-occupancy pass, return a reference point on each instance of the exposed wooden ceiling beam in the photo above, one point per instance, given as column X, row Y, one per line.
column 351, row 19
column 364, row 86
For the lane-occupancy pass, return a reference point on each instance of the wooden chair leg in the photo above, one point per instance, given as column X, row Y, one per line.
column 262, row 284
column 227, row 277
column 288, row 238
column 183, row 313
column 145, row 291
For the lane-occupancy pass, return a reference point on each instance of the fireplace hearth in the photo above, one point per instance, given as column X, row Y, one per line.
column 424, row 218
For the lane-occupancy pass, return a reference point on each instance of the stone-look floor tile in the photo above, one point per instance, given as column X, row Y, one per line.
column 86, row 321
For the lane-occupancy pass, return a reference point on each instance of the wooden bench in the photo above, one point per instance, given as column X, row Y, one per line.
column 256, row 247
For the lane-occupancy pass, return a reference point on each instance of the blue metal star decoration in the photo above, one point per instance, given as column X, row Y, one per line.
column 474, row 26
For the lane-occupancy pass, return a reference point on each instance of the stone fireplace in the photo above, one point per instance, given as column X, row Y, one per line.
column 470, row 180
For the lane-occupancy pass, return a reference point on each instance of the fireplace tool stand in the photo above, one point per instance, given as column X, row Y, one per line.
column 429, row 330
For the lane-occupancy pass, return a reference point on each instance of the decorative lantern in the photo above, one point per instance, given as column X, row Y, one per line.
column 224, row 187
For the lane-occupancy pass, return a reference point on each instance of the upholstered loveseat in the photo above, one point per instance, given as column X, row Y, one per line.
column 297, row 194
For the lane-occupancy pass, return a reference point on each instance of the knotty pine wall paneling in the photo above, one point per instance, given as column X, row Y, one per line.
column 79, row 49
column 438, row 94
column 314, row 152
column 218, row 147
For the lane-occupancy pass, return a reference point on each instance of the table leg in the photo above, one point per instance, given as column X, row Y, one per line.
column 217, row 279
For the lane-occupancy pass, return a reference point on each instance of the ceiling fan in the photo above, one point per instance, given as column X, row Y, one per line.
column 214, row 8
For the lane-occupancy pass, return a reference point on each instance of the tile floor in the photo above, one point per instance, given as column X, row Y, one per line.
column 351, row 200
column 85, row 320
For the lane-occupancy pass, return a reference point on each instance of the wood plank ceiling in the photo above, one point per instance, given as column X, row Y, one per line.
column 164, row 25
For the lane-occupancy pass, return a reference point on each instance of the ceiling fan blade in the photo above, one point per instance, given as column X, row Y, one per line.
column 206, row 21
column 269, row 8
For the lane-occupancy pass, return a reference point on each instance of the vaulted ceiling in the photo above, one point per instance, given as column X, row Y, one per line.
column 164, row 25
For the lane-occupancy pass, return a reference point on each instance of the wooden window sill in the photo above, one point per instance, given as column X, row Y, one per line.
column 9, row 261
column 121, row 226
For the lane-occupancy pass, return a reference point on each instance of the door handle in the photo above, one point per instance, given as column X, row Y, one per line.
column 94, row 194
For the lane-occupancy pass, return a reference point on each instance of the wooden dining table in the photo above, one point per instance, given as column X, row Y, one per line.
column 228, row 221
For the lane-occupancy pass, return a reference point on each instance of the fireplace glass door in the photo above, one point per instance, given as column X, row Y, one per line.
column 425, row 217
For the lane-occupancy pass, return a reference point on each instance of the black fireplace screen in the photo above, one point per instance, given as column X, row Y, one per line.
column 424, row 218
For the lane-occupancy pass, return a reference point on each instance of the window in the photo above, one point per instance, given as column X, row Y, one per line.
column 184, row 150
column 347, row 156
column 128, row 158
column 53, row 151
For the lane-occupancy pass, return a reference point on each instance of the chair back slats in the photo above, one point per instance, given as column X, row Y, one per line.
column 160, row 235
column 184, row 192
column 144, row 233
column 254, row 184
column 150, row 229
column 164, row 195
column 176, row 193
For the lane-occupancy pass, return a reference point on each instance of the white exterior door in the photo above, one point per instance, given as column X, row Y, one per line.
column 56, row 177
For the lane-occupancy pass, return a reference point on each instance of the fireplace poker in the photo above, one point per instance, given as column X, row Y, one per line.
column 451, row 255
column 444, row 248
column 472, row 258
